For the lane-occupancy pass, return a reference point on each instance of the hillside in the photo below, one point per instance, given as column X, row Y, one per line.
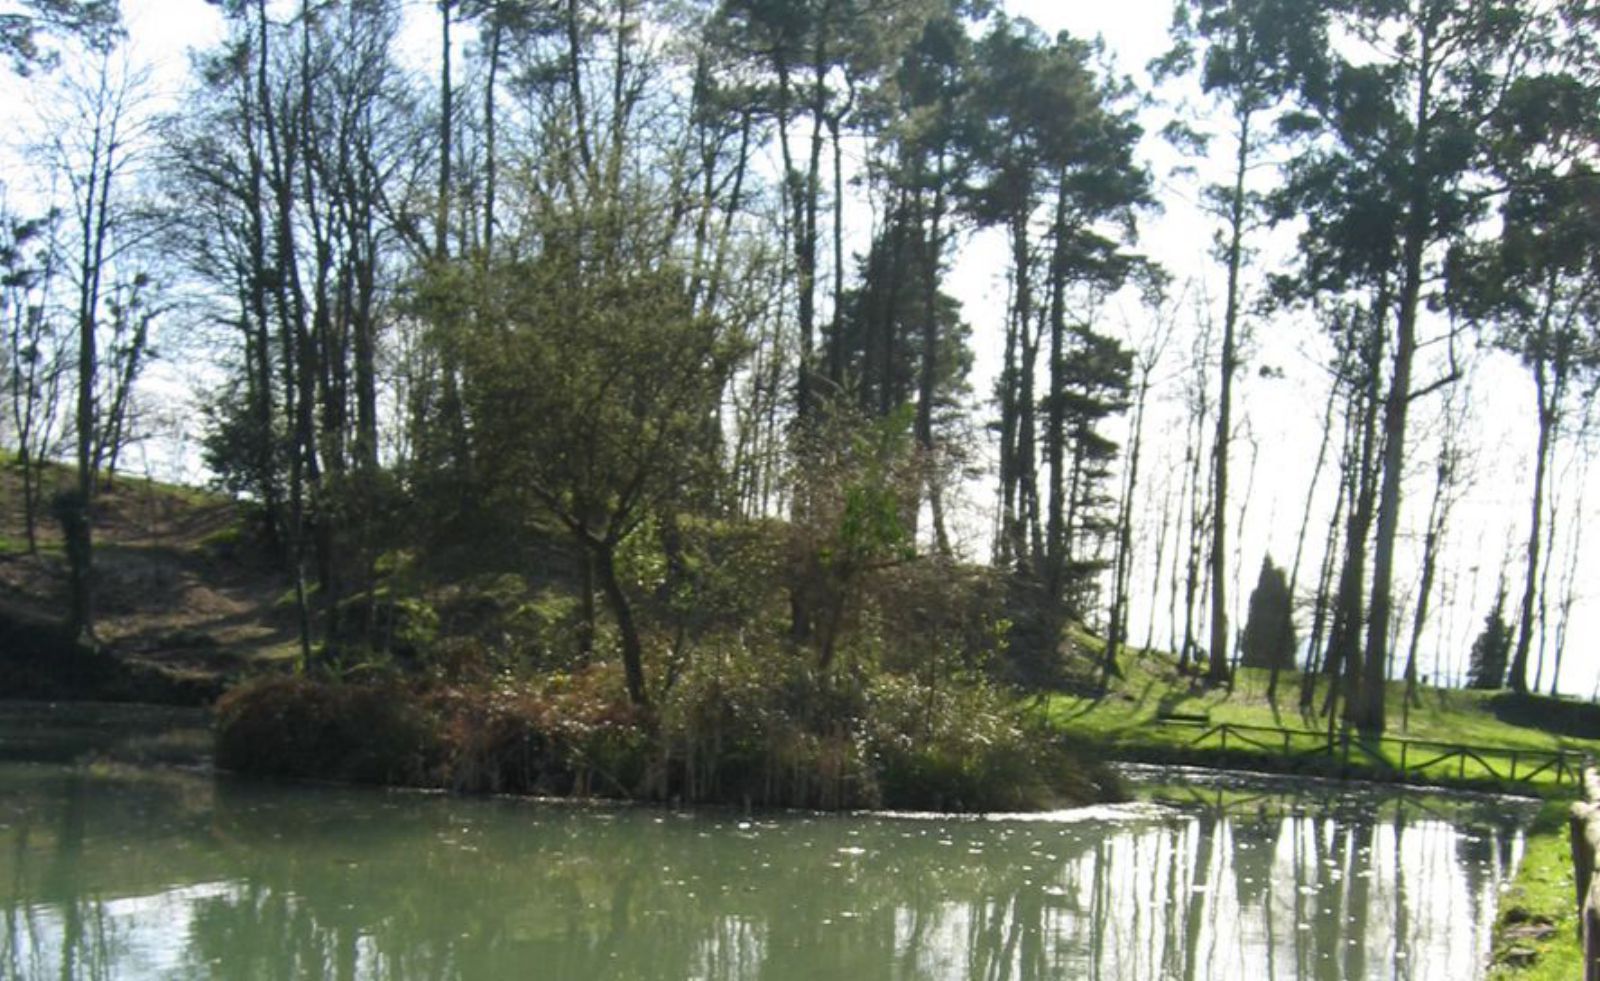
column 180, row 593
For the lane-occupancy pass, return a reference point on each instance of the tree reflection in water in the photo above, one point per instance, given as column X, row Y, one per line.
column 128, row 872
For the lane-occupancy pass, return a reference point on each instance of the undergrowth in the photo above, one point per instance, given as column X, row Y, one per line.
column 739, row 729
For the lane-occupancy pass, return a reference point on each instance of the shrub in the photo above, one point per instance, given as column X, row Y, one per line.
column 757, row 725
column 746, row 725
column 963, row 747
column 296, row 727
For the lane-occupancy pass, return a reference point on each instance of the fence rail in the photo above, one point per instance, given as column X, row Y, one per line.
column 1398, row 755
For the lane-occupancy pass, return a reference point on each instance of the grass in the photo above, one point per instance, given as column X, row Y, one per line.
column 1126, row 721
column 1536, row 929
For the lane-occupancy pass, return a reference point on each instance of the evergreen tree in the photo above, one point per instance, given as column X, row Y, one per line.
column 1487, row 669
column 1384, row 189
column 1269, row 634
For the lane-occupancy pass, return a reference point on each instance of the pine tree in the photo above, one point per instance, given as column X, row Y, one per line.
column 1490, row 651
column 1269, row 634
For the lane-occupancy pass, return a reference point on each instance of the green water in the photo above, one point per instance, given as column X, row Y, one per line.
column 119, row 869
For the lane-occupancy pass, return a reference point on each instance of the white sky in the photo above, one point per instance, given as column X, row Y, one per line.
column 1280, row 416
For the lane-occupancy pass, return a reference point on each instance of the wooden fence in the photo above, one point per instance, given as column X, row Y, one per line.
column 1399, row 756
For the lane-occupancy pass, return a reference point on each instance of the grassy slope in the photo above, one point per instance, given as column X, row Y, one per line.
column 1125, row 719
column 178, row 589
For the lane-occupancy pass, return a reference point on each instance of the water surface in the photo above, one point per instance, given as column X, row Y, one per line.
column 119, row 869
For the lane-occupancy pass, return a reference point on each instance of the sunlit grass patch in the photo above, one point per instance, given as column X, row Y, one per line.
column 1536, row 930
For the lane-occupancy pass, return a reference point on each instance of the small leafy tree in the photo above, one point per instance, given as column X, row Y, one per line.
column 592, row 387
column 858, row 477
column 1487, row 669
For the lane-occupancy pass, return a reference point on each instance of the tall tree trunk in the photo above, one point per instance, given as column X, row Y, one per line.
column 1305, row 520
column 932, row 256
column 1546, row 393
column 1320, row 603
column 1568, row 593
column 1344, row 637
column 1438, row 512
column 836, row 327
column 1217, row 666
column 490, row 134
column 1055, row 554
column 1367, row 713
column 289, row 302
column 1122, row 565
column 1155, row 583
column 441, row 219
column 1015, row 393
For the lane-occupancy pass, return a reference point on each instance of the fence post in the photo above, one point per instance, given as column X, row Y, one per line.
column 1582, row 853
column 1583, row 825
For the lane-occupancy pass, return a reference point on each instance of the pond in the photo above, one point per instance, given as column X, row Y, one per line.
column 121, row 858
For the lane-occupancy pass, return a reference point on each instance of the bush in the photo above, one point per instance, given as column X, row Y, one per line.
column 295, row 727
column 962, row 747
column 757, row 726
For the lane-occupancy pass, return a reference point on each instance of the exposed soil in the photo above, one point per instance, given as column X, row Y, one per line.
column 180, row 590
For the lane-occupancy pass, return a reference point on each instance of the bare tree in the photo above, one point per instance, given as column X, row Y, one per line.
column 95, row 149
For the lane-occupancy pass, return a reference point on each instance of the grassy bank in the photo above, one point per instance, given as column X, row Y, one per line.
column 184, row 598
column 1535, row 933
column 1128, row 722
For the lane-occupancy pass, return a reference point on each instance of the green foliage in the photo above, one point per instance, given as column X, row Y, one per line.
column 593, row 381
column 964, row 747
column 297, row 727
column 562, row 734
column 713, row 578
column 855, row 478
column 243, row 454
column 495, row 623
column 878, row 340
column 1491, row 650
column 749, row 724
column 1269, row 634
column 744, row 721
column 589, row 384
column 1541, row 897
